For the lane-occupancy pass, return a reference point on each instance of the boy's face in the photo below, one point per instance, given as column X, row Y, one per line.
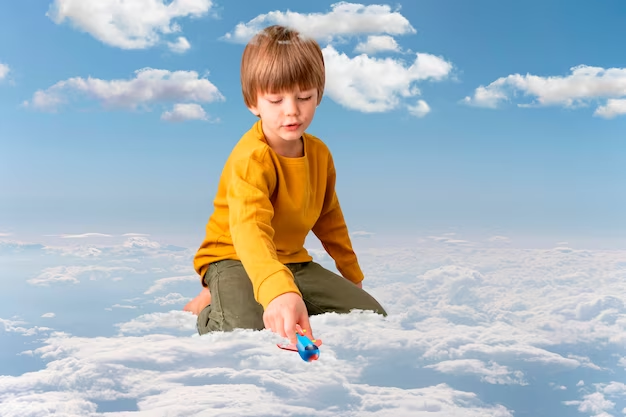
column 285, row 116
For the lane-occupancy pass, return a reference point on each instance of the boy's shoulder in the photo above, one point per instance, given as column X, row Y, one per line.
column 251, row 145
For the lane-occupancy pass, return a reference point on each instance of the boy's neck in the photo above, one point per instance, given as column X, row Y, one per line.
column 295, row 150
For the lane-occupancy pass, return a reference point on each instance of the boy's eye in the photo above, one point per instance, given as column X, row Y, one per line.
column 305, row 98
column 275, row 101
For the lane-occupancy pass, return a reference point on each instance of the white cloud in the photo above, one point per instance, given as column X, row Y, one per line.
column 183, row 112
column 138, row 24
column 160, row 284
column 584, row 86
column 83, row 235
column 421, row 109
column 4, row 70
column 72, row 274
column 344, row 20
column 181, row 45
column 16, row 326
column 362, row 234
column 175, row 320
column 593, row 403
column 149, row 86
column 48, row 315
column 378, row 43
column 370, row 84
column 614, row 107
column 171, row 298
column 493, row 374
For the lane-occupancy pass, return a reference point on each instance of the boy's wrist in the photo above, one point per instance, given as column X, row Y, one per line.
column 275, row 285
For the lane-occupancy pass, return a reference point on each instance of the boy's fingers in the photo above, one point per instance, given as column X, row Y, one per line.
column 304, row 323
column 290, row 328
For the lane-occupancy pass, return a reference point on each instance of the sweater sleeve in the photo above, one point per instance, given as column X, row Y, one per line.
column 332, row 231
column 251, row 213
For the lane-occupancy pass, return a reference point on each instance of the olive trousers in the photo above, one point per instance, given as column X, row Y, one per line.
column 233, row 305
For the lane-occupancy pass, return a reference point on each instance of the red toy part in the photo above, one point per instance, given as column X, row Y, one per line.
column 292, row 347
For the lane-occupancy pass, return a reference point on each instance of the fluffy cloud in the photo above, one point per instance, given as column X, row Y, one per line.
column 183, row 112
column 378, row 43
column 138, row 24
column 421, row 109
column 4, row 70
column 73, row 274
column 584, row 86
column 344, row 20
column 149, row 86
column 181, row 45
column 614, row 107
column 370, row 84
column 493, row 374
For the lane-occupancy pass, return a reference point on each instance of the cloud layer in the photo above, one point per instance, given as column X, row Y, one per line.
column 466, row 318
column 138, row 24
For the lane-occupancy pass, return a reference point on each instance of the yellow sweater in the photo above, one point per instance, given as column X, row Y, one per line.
column 266, row 205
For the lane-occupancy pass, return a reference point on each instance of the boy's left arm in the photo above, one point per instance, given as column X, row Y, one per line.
column 332, row 231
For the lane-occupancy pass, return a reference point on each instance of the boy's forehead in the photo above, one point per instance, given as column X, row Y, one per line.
column 292, row 90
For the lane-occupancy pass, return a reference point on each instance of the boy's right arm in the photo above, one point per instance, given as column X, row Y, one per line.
column 251, row 212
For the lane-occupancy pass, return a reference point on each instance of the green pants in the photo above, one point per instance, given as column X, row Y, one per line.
column 233, row 305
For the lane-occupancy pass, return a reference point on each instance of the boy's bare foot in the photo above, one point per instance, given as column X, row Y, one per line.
column 200, row 302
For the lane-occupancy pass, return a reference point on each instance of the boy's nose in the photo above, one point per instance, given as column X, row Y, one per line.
column 291, row 108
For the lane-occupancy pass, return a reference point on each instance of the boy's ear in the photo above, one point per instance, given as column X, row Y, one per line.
column 254, row 110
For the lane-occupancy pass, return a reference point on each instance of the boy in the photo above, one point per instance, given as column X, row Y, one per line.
column 277, row 185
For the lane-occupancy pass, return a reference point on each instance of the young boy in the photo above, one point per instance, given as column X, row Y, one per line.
column 277, row 185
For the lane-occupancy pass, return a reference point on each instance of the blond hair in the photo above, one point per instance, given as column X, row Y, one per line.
column 279, row 59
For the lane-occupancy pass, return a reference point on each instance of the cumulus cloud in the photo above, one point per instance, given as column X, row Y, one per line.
column 344, row 20
column 585, row 86
column 614, row 107
column 181, row 45
column 378, row 43
column 138, row 24
column 4, row 71
column 420, row 109
column 149, row 86
column 183, row 112
column 73, row 274
column 171, row 298
column 17, row 326
column 162, row 283
column 174, row 320
column 492, row 373
column 371, row 84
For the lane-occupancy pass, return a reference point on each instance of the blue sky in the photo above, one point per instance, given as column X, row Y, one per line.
column 97, row 166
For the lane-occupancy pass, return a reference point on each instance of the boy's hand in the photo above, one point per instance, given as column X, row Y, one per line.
column 284, row 312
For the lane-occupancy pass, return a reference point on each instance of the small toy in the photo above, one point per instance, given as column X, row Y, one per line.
column 307, row 348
